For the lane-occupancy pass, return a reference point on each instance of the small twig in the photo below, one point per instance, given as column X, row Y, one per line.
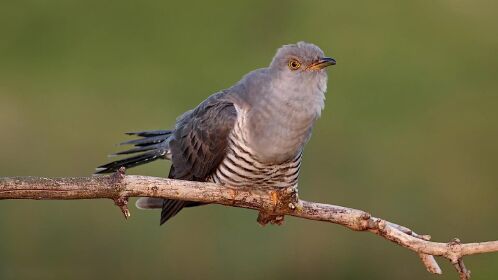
column 121, row 200
column 462, row 270
column 122, row 203
column 457, row 261
column 272, row 203
column 430, row 263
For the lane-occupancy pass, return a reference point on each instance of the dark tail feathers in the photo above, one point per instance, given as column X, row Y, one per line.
column 171, row 207
column 153, row 144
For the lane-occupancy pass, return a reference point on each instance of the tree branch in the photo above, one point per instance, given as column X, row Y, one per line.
column 272, row 204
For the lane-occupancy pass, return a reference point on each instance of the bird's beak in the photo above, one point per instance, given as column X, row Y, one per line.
column 321, row 63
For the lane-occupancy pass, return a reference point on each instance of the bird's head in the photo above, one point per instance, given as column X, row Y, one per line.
column 300, row 61
column 285, row 100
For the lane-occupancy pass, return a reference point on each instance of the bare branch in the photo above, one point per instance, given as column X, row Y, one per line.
column 273, row 205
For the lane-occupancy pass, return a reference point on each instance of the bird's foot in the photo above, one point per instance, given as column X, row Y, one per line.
column 281, row 202
column 265, row 218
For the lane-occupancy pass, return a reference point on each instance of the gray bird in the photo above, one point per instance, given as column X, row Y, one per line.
column 251, row 134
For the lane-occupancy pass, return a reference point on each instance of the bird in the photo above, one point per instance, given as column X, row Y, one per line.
column 250, row 134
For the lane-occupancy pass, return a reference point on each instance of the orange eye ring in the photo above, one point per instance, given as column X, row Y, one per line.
column 294, row 64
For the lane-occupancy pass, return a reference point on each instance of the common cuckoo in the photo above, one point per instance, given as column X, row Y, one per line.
column 251, row 134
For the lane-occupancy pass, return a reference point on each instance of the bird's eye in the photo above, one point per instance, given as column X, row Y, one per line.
column 294, row 64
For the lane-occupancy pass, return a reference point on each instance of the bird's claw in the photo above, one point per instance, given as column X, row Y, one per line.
column 264, row 218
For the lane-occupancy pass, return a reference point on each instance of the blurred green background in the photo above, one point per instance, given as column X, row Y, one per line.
column 409, row 133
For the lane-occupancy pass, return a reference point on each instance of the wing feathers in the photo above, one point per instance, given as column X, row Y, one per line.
column 199, row 144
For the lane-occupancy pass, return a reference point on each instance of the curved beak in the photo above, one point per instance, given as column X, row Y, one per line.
column 322, row 63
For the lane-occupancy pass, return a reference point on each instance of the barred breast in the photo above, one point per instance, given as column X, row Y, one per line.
column 240, row 167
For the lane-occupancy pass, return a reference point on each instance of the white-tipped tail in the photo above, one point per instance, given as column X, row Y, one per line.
column 149, row 203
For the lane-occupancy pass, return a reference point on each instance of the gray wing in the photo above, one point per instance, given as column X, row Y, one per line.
column 199, row 144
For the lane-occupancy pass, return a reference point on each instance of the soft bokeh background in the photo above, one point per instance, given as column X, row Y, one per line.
column 409, row 132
